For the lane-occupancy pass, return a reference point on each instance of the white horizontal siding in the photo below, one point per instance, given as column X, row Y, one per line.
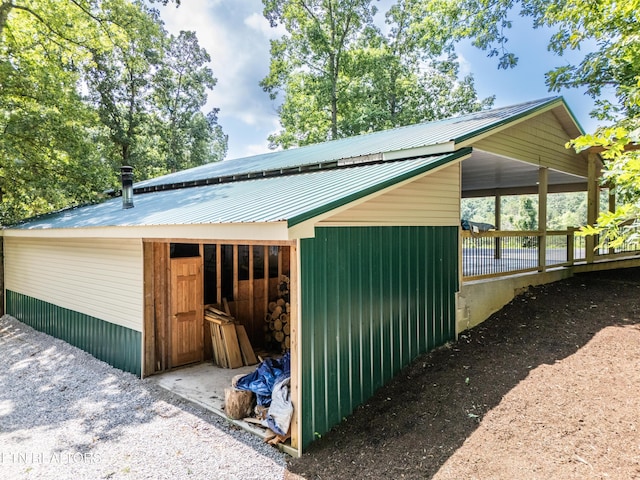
column 97, row 277
column 432, row 200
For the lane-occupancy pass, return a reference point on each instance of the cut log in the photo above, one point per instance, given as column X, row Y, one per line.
column 284, row 318
column 246, row 350
column 276, row 312
column 238, row 403
column 279, row 336
column 277, row 325
column 286, row 329
column 272, row 306
column 280, row 302
column 287, row 342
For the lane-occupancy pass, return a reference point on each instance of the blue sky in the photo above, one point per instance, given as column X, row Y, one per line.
column 236, row 35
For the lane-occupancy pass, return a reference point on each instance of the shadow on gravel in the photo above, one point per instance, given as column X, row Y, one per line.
column 416, row 422
column 45, row 383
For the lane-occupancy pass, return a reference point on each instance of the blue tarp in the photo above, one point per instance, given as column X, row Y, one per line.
column 263, row 379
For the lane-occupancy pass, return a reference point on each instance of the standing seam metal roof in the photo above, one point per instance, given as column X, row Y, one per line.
column 292, row 198
column 393, row 140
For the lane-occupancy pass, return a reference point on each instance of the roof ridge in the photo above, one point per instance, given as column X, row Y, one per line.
column 405, row 127
column 404, row 140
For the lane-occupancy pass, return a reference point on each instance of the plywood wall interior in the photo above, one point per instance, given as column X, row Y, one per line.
column 99, row 278
column 246, row 275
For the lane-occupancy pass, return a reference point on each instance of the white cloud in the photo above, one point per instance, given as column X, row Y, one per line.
column 257, row 22
column 234, row 34
column 465, row 65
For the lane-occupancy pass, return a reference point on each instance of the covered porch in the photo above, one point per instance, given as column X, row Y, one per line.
column 497, row 265
column 495, row 253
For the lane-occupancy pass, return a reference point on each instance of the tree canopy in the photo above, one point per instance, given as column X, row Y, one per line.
column 341, row 75
column 607, row 31
column 87, row 86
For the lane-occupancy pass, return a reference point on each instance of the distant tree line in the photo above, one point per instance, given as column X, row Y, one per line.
column 520, row 212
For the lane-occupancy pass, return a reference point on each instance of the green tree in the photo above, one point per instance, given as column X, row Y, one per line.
column 527, row 218
column 120, row 80
column 188, row 136
column 48, row 158
column 608, row 31
column 149, row 88
column 398, row 80
column 307, row 64
column 342, row 76
column 57, row 147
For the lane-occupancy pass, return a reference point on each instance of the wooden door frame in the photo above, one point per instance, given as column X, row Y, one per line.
column 156, row 333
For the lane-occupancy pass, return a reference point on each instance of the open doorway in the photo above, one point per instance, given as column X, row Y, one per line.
column 183, row 278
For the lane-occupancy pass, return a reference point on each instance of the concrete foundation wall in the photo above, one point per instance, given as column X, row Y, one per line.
column 479, row 299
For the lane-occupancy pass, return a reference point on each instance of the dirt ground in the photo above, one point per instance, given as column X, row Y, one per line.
column 547, row 388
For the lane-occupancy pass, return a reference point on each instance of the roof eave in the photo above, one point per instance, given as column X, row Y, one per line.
column 249, row 231
column 469, row 138
column 318, row 211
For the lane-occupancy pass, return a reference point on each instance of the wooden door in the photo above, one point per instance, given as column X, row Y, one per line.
column 186, row 311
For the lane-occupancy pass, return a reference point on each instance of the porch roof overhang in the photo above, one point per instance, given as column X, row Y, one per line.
column 487, row 174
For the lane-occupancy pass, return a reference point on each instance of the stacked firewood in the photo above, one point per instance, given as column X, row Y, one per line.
column 277, row 327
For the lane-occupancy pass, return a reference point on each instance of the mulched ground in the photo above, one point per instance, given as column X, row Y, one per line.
column 547, row 388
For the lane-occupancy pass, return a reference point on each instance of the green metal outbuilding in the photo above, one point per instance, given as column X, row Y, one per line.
column 366, row 229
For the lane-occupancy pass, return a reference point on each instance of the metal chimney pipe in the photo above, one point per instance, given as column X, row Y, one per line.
column 126, row 175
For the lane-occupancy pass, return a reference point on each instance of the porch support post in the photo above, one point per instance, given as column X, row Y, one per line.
column 612, row 208
column 543, row 188
column 592, row 205
column 296, row 345
column 498, row 220
column 2, row 292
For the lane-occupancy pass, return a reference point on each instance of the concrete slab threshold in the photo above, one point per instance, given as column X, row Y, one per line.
column 204, row 384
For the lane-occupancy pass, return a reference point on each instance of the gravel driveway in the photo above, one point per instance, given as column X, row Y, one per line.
column 66, row 415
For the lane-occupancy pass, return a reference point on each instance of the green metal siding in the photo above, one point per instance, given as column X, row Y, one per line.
column 117, row 345
column 372, row 300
